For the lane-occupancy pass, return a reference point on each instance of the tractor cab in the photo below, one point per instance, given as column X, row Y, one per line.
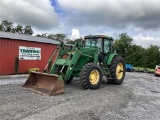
column 104, row 43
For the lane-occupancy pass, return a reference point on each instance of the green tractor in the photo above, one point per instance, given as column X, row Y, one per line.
column 89, row 59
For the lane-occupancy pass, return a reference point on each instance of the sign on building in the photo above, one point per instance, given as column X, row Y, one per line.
column 29, row 53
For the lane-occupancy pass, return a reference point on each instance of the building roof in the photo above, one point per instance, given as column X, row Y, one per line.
column 26, row 38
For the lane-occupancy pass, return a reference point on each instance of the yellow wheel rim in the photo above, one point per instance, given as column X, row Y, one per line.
column 119, row 71
column 94, row 77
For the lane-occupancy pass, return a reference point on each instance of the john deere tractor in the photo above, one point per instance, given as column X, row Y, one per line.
column 89, row 59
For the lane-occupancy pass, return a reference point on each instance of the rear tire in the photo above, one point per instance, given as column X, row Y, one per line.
column 91, row 76
column 117, row 70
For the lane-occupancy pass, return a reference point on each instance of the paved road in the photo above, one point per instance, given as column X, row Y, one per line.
column 138, row 98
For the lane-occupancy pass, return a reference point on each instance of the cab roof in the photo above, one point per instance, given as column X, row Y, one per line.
column 98, row 36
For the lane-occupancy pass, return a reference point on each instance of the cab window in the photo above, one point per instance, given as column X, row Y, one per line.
column 106, row 46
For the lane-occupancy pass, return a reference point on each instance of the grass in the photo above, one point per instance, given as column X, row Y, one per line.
column 141, row 69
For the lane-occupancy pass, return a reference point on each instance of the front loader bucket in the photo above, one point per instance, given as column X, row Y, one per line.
column 45, row 84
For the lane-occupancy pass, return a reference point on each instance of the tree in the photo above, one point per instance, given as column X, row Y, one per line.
column 135, row 55
column 73, row 41
column 7, row 26
column 151, row 56
column 1, row 28
column 38, row 35
column 122, row 44
column 28, row 30
column 19, row 29
column 51, row 36
column 60, row 37
column 44, row 35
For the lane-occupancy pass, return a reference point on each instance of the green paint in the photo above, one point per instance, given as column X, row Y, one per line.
column 71, row 59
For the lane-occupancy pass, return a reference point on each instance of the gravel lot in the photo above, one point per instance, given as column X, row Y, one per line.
column 138, row 98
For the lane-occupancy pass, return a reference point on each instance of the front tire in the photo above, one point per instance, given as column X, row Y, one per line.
column 117, row 70
column 91, row 76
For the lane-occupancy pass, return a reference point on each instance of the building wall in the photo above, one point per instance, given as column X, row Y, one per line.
column 9, row 50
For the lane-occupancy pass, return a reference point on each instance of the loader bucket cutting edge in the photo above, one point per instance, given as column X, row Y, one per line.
column 45, row 84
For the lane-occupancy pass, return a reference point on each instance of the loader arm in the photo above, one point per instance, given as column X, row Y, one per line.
column 65, row 62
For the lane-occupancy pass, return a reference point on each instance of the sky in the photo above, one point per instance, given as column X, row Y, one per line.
column 140, row 19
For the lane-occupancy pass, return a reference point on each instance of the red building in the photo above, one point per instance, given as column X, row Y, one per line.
column 32, row 52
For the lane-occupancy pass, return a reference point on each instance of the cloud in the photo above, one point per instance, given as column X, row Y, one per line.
column 146, row 41
column 137, row 18
column 38, row 14
column 75, row 34
column 113, row 13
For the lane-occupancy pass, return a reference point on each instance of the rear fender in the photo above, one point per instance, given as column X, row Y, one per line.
column 110, row 58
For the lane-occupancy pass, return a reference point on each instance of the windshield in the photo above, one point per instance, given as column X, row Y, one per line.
column 98, row 42
column 93, row 42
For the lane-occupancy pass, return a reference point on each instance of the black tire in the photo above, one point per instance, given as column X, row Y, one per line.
column 155, row 75
column 117, row 64
column 70, row 80
column 85, row 76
